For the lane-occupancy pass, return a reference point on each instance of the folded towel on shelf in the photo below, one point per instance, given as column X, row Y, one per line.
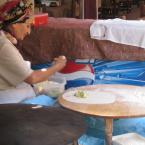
column 129, row 32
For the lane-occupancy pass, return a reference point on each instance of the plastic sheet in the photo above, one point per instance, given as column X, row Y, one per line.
column 111, row 72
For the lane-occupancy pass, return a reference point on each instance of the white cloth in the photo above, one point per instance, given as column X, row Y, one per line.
column 76, row 75
column 129, row 32
column 15, row 95
column 129, row 139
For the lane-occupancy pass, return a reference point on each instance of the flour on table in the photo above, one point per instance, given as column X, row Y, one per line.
column 91, row 97
column 136, row 95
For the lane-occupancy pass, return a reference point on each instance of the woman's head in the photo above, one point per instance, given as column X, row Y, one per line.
column 15, row 17
column 20, row 29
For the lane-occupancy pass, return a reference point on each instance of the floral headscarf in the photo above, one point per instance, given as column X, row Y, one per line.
column 15, row 11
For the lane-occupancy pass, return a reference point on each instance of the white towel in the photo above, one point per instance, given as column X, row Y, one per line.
column 129, row 32
column 16, row 95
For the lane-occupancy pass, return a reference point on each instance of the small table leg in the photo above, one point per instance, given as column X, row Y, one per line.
column 108, row 131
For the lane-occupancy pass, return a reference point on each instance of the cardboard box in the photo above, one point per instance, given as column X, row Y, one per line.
column 40, row 19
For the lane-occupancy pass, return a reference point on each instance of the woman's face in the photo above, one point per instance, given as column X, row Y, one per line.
column 20, row 30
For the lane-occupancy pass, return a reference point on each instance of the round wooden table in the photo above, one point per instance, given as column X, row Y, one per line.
column 129, row 102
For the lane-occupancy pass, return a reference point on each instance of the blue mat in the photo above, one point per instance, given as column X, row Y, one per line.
column 112, row 72
column 41, row 100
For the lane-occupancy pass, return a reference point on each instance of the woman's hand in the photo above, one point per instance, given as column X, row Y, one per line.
column 60, row 62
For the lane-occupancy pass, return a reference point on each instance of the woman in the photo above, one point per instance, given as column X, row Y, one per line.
column 16, row 75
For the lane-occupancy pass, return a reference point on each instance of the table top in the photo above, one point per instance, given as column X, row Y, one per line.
column 129, row 101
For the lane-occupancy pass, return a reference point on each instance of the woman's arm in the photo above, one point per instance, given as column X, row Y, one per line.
column 42, row 75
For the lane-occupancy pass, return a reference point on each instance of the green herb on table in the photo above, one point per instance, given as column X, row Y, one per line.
column 80, row 94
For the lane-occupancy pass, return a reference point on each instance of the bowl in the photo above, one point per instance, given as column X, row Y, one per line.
column 53, row 87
